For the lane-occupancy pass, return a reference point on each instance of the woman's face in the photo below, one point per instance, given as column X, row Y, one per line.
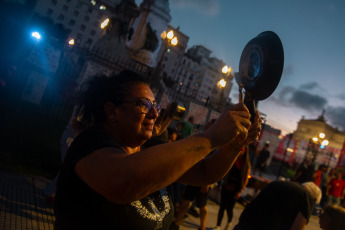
column 135, row 127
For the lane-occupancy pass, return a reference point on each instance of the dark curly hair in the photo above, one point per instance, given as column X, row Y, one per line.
column 101, row 89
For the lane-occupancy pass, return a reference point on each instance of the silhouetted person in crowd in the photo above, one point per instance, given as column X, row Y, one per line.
column 262, row 160
column 282, row 205
column 304, row 172
column 232, row 186
column 198, row 194
column 319, row 175
column 332, row 218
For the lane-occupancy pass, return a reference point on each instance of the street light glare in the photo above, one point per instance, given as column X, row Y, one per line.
column 105, row 23
column 222, row 83
column 325, row 142
column 164, row 35
column 225, row 69
column 315, row 139
column 322, row 135
column 36, row 35
column 174, row 41
column 71, row 42
column 170, row 34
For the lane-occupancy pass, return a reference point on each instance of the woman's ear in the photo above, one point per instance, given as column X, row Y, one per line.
column 110, row 111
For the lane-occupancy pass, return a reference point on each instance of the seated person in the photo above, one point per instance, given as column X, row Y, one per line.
column 332, row 217
column 282, row 205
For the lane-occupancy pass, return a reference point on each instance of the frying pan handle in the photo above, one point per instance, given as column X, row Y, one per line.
column 250, row 103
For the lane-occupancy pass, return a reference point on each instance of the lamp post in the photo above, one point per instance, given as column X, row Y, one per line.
column 317, row 143
column 105, row 23
column 226, row 70
column 168, row 40
column 221, row 85
column 222, row 82
column 104, row 26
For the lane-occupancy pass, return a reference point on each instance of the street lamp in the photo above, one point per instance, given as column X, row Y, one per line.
column 221, row 84
column 71, row 42
column 168, row 39
column 105, row 23
column 317, row 143
column 226, row 70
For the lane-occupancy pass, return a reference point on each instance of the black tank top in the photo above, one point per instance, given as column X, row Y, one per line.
column 77, row 206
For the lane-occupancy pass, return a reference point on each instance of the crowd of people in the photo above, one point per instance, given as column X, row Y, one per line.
column 126, row 171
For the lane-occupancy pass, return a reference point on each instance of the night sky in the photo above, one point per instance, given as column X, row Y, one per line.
column 313, row 37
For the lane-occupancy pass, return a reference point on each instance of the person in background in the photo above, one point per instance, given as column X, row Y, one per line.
column 304, row 172
column 261, row 163
column 73, row 128
column 332, row 218
column 232, row 186
column 172, row 134
column 324, row 184
column 282, row 205
column 199, row 194
column 176, row 187
column 179, row 130
column 108, row 181
column 317, row 176
column 187, row 128
column 196, row 194
column 336, row 189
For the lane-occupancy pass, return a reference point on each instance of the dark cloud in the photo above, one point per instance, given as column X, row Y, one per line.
column 210, row 7
column 290, row 97
column 286, row 93
column 336, row 116
column 310, row 86
column 308, row 101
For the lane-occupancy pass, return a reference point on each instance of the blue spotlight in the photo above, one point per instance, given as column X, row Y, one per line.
column 36, row 35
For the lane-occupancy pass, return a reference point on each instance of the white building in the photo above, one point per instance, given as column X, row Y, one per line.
column 199, row 75
column 83, row 17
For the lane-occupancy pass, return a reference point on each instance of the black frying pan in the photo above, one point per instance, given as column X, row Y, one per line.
column 260, row 69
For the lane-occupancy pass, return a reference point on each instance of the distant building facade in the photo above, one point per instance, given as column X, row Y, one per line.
column 198, row 75
column 310, row 128
column 83, row 17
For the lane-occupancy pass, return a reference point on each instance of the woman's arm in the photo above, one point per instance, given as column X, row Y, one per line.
column 125, row 178
column 215, row 166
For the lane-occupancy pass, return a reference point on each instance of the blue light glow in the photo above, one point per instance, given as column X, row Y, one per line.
column 36, row 35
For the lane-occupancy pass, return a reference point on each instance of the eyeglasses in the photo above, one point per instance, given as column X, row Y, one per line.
column 145, row 105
